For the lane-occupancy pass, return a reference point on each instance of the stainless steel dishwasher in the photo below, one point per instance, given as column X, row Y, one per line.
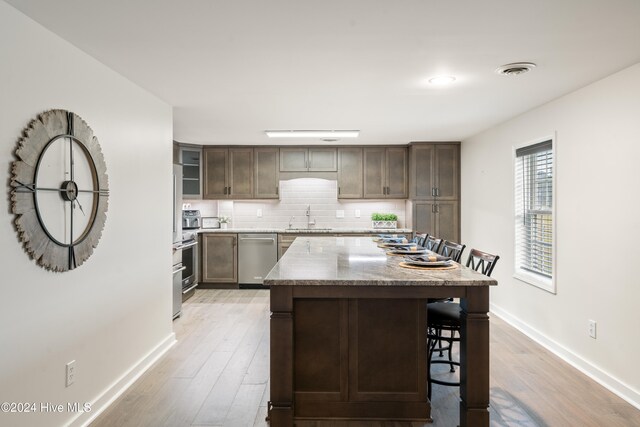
column 257, row 254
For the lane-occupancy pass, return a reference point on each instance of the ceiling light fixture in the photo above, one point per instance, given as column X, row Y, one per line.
column 515, row 68
column 442, row 80
column 313, row 133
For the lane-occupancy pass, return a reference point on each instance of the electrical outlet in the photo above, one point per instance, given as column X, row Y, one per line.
column 259, row 213
column 357, row 213
column 71, row 373
column 592, row 329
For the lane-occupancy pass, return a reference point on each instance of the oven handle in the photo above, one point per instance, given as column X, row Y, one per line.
column 188, row 245
column 271, row 239
column 179, row 270
column 187, row 290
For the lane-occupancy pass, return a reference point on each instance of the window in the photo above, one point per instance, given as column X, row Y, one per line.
column 534, row 169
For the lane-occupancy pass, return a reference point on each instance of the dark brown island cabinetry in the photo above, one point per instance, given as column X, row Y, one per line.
column 385, row 172
column 434, row 189
column 311, row 159
column 219, row 258
column 348, row 337
column 228, row 173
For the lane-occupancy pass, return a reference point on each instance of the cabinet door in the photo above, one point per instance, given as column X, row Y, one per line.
column 219, row 258
column 267, row 169
column 374, row 173
column 323, row 160
column 424, row 217
column 293, row 159
column 447, row 221
column 215, row 173
column 396, row 166
column 447, row 171
column 422, row 172
column 240, row 173
column 191, row 173
column 350, row 173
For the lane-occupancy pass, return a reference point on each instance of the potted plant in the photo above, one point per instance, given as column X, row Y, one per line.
column 224, row 221
column 379, row 220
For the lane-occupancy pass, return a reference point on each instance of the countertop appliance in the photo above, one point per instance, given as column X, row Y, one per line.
column 210, row 222
column 191, row 219
column 257, row 254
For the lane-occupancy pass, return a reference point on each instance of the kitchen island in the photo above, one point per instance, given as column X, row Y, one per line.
column 348, row 334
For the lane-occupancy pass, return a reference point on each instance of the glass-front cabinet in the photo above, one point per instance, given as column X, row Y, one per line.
column 191, row 172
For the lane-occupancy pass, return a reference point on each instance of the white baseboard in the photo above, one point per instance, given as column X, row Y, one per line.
column 123, row 383
column 598, row 375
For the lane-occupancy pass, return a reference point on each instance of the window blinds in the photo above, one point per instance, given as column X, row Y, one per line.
column 534, row 214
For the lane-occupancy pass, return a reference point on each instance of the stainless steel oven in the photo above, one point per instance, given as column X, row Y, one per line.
column 189, row 248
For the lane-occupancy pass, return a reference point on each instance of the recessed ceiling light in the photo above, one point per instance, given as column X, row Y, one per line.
column 515, row 68
column 442, row 80
column 312, row 133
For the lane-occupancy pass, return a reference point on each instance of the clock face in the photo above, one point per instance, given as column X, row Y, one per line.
column 59, row 190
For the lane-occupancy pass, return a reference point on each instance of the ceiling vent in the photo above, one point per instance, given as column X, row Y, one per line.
column 515, row 68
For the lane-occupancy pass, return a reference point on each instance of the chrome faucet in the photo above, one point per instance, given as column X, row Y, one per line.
column 291, row 221
column 308, row 214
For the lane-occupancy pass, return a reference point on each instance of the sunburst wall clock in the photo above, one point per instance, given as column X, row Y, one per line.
column 59, row 190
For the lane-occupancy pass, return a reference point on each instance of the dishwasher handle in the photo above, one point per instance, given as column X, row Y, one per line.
column 271, row 239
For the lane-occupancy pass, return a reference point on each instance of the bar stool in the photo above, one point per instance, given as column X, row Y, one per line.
column 432, row 244
column 445, row 316
column 452, row 249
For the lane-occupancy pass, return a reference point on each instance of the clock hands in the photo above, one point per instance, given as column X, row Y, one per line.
column 79, row 205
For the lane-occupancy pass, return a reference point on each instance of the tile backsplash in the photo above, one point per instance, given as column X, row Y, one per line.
column 295, row 195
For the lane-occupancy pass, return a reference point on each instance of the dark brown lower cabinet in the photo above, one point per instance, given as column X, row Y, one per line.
column 369, row 351
column 219, row 258
column 437, row 218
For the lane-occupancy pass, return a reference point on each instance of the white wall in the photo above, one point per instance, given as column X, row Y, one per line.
column 115, row 310
column 597, row 219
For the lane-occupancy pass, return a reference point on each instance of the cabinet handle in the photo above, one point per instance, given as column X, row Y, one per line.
column 277, row 190
column 229, row 190
column 437, row 192
column 225, row 190
column 433, row 192
column 338, row 191
column 437, row 208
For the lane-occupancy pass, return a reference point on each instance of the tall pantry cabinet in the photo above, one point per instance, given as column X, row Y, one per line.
column 434, row 189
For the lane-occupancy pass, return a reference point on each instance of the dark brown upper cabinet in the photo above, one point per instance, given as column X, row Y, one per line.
column 385, row 172
column 350, row 173
column 267, row 170
column 311, row 159
column 228, row 173
column 435, row 171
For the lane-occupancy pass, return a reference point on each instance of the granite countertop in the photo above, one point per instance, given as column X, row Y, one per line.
column 305, row 231
column 358, row 261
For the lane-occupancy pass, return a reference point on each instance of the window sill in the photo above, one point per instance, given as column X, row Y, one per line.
column 543, row 283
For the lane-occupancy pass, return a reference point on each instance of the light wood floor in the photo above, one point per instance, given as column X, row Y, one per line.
column 218, row 375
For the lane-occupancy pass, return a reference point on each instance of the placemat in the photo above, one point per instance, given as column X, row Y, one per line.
column 417, row 267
